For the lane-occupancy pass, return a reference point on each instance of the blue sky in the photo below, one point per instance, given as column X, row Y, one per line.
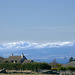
column 37, row 20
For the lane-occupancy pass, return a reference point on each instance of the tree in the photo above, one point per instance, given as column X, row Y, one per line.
column 71, row 59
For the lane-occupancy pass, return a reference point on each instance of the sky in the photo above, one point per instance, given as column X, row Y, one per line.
column 37, row 20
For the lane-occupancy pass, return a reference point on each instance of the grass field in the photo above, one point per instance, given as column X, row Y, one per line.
column 29, row 74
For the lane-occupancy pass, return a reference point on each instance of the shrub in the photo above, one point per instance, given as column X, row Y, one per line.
column 26, row 66
column 61, row 68
column 70, row 68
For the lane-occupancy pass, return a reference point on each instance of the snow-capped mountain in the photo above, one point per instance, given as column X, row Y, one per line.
column 44, row 52
column 28, row 45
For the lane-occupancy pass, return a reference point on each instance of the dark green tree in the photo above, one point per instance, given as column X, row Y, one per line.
column 71, row 59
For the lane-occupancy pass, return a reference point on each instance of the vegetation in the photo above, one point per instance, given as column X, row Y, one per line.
column 71, row 59
column 26, row 66
column 25, row 74
column 67, row 68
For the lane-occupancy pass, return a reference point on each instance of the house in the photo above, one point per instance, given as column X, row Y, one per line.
column 28, row 61
column 17, row 59
column 69, row 64
column 2, row 59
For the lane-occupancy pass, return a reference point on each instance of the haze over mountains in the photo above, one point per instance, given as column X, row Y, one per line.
column 41, row 52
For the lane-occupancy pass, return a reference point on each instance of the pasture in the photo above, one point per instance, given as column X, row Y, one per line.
column 29, row 74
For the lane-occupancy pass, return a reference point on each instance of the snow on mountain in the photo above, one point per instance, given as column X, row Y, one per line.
column 28, row 45
column 41, row 51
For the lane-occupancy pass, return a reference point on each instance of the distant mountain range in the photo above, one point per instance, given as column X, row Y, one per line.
column 40, row 52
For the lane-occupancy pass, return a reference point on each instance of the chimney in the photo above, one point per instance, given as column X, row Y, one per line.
column 22, row 55
column 12, row 54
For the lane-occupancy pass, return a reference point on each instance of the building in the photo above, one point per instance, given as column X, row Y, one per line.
column 2, row 59
column 17, row 59
column 69, row 64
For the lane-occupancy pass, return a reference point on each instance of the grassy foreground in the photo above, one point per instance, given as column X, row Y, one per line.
column 27, row 74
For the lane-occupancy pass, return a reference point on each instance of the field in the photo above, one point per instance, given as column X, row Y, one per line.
column 28, row 74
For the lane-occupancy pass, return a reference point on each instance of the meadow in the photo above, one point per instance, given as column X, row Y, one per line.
column 29, row 74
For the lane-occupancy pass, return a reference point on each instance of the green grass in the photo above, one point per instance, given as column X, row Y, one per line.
column 26, row 74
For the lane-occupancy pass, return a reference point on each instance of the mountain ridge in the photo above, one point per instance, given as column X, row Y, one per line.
column 28, row 45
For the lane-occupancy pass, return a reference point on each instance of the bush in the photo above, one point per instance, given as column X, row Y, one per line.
column 26, row 66
column 70, row 68
column 61, row 68
column 35, row 66
column 67, row 68
column 54, row 69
